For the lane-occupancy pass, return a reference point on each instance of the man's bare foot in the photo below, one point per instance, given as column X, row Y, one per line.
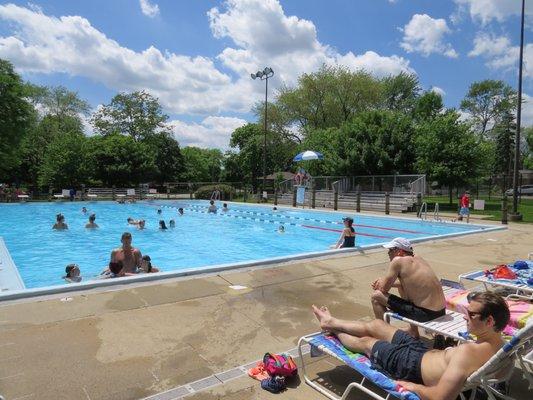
column 323, row 316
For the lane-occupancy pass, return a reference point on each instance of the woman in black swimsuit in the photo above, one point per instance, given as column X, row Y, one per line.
column 347, row 238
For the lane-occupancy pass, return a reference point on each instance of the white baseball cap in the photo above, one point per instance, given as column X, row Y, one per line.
column 399, row 243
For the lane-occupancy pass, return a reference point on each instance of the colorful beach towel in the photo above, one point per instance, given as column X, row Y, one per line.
column 521, row 311
column 362, row 364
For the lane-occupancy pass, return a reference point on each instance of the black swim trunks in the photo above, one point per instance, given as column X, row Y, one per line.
column 402, row 358
column 407, row 309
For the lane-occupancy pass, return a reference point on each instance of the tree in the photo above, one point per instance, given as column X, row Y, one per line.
column 34, row 145
column 63, row 163
column 60, row 102
column 138, row 115
column 249, row 140
column 167, row 156
column 399, row 92
column 504, row 132
column 487, row 102
column 377, row 142
column 120, row 160
column 528, row 157
column 448, row 151
column 328, row 98
column 201, row 165
column 428, row 106
column 16, row 117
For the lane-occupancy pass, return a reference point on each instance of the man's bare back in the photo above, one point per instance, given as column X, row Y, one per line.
column 419, row 283
column 421, row 296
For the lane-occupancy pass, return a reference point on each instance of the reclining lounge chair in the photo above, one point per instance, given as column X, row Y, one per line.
column 496, row 369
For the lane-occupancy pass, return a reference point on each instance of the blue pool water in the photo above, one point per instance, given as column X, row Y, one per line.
column 244, row 233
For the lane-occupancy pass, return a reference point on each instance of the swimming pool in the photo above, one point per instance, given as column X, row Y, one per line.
column 199, row 240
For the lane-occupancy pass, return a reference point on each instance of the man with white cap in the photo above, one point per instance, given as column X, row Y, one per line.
column 421, row 296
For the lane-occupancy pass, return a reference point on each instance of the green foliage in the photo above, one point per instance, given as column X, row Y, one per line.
column 399, row 92
column 528, row 159
column 201, row 165
column 428, row 106
column 138, row 115
column 63, row 163
column 487, row 102
column 167, row 157
column 60, row 102
column 35, row 145
column 205, row 192
column 249, row 140
column 16, row 117
column 447, row 150
column 120, row 160
column 329, row 97
column 505, row 133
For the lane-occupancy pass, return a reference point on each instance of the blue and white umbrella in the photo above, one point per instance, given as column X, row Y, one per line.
column 308, row 155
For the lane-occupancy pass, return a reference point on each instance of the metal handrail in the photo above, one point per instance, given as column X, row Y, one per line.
column 423, row 210
column 436, row 216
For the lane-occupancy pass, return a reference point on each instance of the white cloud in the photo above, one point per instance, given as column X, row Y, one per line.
column 425, row 35
column 500, row 54
column 486, row 11
column 261, row 33
column 149, row 9
column 527, row 110
column 439, row 91
column 211, row 132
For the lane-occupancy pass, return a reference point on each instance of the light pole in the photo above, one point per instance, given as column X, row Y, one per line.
column 515, row 215
column 264, row 75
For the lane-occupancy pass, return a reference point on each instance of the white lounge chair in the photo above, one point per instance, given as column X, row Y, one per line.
column 359, row 362
column 23, row 197
column 521, row 290
column 65, row 194
column 92, row 196
column 496, row 369
column 130, row 192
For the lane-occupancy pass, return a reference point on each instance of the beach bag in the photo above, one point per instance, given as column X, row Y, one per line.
column 501, row 272
column 280, row 364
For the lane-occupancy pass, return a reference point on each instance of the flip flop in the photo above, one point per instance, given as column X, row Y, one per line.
column 258, row 372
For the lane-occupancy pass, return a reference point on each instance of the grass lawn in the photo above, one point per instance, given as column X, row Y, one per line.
column 493, row 207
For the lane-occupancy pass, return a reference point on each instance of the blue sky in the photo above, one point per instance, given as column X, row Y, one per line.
column 196, row 56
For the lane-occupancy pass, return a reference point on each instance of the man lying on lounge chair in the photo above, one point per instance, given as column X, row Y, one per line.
column 421, row 296
column 432, row 374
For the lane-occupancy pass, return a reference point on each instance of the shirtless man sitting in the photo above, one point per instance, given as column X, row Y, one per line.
column 421, row 296
column 431, row 374
column 129, row 256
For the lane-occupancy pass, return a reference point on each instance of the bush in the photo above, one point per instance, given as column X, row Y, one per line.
column 205, row 192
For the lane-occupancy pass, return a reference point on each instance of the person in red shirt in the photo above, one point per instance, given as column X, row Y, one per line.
column 464, row 210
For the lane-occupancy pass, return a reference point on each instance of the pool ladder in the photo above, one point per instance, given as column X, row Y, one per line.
column 423, row 212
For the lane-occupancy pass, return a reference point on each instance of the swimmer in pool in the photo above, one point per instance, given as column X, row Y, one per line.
column 84, row 210
column 72, row 272
column 180, row 211
column 225, row 207
column 212, row 208
column 281, row 229
column 91, row 224
column 172, row 223
column 146, row 265
column 60, row 222
column 162, row 225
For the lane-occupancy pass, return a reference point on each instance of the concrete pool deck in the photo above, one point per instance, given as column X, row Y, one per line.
column 131, row 342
